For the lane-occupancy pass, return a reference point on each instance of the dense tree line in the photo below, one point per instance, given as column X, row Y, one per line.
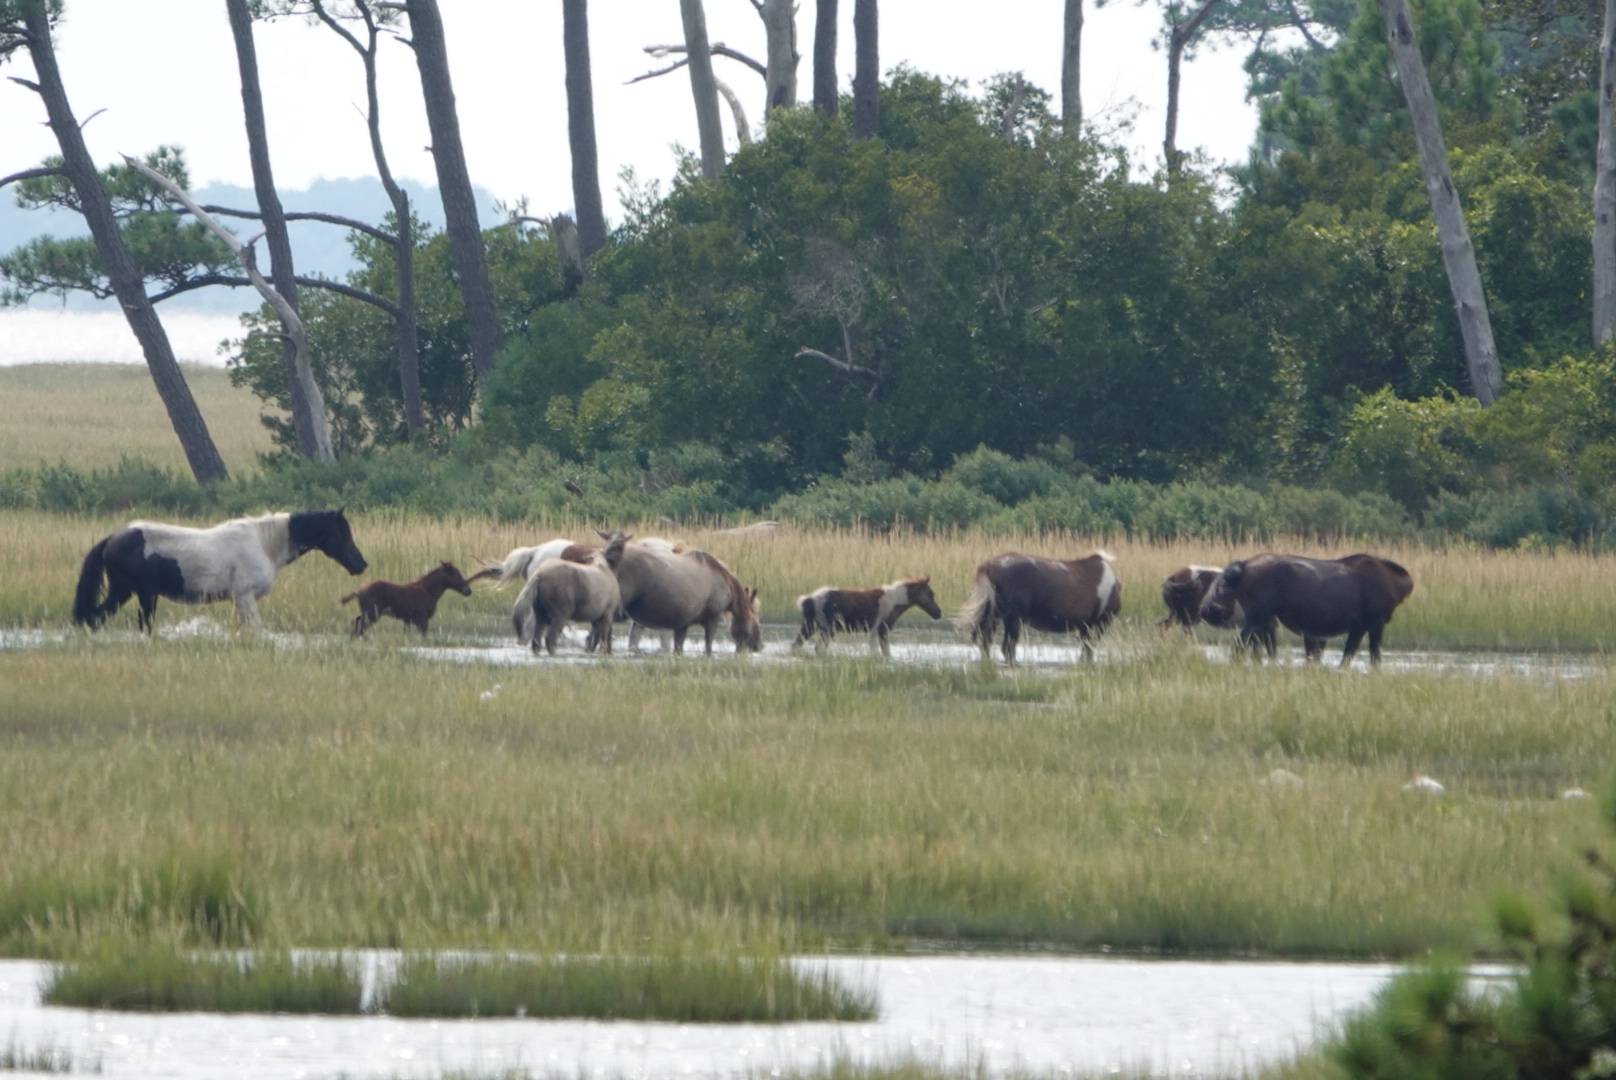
column 874, row 289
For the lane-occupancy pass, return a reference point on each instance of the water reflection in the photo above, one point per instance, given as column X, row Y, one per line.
column 1051, row 1015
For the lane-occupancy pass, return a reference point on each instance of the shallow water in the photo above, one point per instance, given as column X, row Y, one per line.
column 928, row 646
column 1048, row 1015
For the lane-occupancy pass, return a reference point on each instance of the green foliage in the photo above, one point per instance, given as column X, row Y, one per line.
column 354, row 344
column 1556, row 1017
column 168, row 247
column 683, row 989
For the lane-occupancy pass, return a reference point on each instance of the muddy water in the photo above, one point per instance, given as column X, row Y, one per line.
column 1045, row 1015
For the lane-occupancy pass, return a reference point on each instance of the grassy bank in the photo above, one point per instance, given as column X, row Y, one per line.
column 258, row 791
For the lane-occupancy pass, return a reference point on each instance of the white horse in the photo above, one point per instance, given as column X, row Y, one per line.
column 234, row 560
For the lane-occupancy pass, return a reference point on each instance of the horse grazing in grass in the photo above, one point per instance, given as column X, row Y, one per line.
column 234, row 560
column 1053, row 595
column 413, row 604
column 1182, row 591
column 561, row 591
column 675, row 590
column 873, row 611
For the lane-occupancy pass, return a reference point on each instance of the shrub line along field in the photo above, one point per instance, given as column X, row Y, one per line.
column 301, row 788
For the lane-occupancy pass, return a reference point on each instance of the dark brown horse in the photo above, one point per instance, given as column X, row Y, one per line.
column 1182, row 592
column 1052, row 595
column 413, row 604
column 871, row 611
column 1316, row 598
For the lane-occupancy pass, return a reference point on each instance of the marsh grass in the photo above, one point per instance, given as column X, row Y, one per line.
column 92, row 415
column 159, row 979
column 353, row 795
column 44, row 1059
column 682, row 988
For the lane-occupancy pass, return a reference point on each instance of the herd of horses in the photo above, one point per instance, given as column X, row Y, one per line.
column 669, row 588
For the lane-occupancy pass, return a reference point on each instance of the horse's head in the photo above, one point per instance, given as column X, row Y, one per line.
column 449, row 575
column 922, row 597
column 611, row 553
column 1217, row 606
column 327, row 531
column 744, row 625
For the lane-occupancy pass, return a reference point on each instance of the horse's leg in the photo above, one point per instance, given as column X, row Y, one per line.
column 603, row 631
column 1012, row 635
column 1375, row 633
column 878, row 639
column 822, row 640
column 1088, row 650
column 552, row 631
column 709, row 628
column 1353, row 639
column 983, row 635
column 1314, row 648
column 679, row 640
column 148, row 609
column 634, row 631
column 247, row 611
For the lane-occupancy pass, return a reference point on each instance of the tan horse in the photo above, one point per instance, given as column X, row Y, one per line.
column 560, row 591
column 675, row 590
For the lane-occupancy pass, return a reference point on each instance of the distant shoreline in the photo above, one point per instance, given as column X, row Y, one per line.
column 32, row 336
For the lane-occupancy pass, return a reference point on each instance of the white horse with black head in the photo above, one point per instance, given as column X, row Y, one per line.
column 235, row 560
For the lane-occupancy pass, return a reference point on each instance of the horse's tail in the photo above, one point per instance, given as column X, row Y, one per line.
column 525, row 613
column 87, row 599
column 350, row 596
column 980, row 611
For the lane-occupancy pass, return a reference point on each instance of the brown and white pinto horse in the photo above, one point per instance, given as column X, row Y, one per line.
column 1053, row 595
column 872, row 611
column 1182, row 592
column 1316, row 598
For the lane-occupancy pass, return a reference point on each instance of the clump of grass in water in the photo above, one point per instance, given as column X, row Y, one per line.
column 157, row 980
column 715, row 990
column 43, row 1059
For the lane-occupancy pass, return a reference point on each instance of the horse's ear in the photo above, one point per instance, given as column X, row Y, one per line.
column 606, row 536
column 626, row 537
column 926, row 580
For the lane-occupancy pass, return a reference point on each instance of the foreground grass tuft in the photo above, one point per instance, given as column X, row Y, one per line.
column 156, row 980
column 43, row 1059
column 718, row 990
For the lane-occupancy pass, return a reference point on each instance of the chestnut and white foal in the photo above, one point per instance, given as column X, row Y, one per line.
column 872, row 611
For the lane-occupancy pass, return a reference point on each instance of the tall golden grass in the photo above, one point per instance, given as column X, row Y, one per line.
column 90, row 415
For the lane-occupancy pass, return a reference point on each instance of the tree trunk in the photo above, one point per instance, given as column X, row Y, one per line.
column 1071, row 65
column 308, row 413
column 825, row 101
column 581, row 128
column 407, row 337
column 1605, row 187
column 454, row 183
column 866, row 70
column 702, row 87
column 1458, row 256
column 780, row 33
column 203, row 457
column 1177, row 41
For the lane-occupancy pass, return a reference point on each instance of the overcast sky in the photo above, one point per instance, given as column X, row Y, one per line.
column 172, row 79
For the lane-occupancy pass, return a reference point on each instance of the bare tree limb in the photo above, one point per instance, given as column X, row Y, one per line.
column 30, row 84
column 32, row 174
column 310, row 215
column 742, row 131
column 718, row 48
column 675, row 66
column 230, row 281
column 289, row 317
